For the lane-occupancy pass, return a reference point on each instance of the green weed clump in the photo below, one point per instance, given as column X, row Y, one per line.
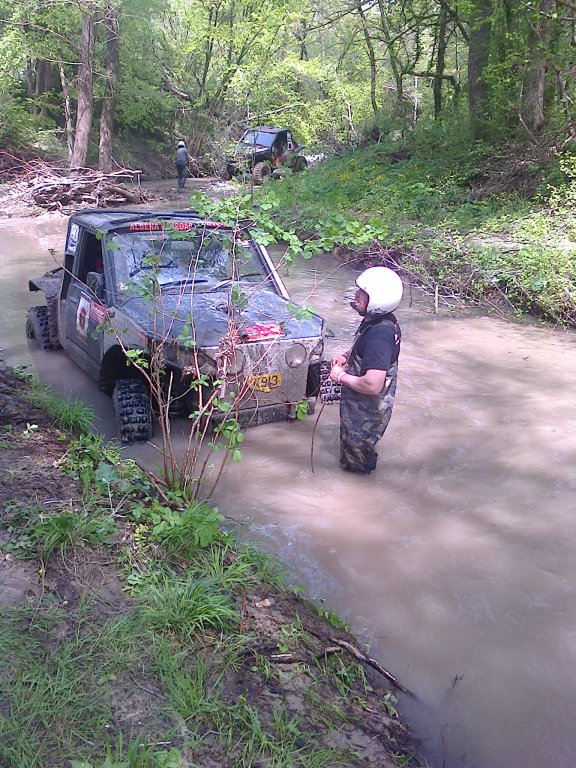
column 186, row 605
column 34, row 532
column 74, row 416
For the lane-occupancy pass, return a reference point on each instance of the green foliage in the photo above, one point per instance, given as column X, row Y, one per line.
column 15, row 123
column 54, row 686
column 260, row 212
column 332, row 617
column 135, row 756
column 420, row 200
column 102, row 469
column 72, row 529
column 237, row 568
column 33, row 533
column 181, row 532
column 230, row 432
column 239, row 727
column 346, row 674
column 302, row 409
column 309, row 96
column 186, row 605
column 74, row 416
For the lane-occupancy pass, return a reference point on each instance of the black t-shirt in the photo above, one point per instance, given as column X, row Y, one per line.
column 377, row 344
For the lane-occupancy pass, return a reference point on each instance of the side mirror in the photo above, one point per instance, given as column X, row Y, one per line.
column 95, row 282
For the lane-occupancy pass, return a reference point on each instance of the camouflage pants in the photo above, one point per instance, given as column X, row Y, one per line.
column 181, row 170
column 363, row 421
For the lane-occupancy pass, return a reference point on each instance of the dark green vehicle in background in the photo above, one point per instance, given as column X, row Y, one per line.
column 262, row 152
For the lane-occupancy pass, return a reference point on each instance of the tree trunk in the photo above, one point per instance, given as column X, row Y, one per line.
column 105, row 161
column 478, row 52
column 67, row 112
column 43, row 77
column 371, row 56
column 80, row 153
column 395, row 64
column 533, row 114
column 440, row 62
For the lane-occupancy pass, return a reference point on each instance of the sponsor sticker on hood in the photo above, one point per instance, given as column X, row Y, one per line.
column 261, row 332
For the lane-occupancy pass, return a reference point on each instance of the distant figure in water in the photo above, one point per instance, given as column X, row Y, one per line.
column 181, row 164
column 367, row 373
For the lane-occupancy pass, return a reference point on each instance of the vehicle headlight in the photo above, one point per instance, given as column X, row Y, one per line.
column 296, row 355
column 318, row 349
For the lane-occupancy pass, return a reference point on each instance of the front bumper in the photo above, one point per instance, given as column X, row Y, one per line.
column 262, row 414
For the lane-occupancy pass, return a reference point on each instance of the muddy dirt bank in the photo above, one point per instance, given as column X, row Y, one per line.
column 31, row 449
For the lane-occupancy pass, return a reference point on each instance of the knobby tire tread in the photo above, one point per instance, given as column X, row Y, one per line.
column 37, row 327
column 132, row 407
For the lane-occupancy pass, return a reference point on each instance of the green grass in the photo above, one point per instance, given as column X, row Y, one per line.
column 56, row 703
column 187, row 605
column 73, row 416
column 34, row 532
column 238, row 567
column 238, row 727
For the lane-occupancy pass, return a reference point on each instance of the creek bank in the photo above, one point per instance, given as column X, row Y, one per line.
column 290, row 658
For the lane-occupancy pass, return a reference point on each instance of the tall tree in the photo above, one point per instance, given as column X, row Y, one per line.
column 105, row 161
column 85, row 108
column 478, row 56
column 532, row 110
column 440, row 59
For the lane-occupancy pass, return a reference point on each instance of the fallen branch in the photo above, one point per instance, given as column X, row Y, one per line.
column 360, row 656
column 35, row 182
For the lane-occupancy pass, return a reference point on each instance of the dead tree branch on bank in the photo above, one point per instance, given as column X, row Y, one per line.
column 37, row 183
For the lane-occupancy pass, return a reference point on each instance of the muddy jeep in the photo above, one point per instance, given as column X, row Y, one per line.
column 198, row 302
column 262, row 152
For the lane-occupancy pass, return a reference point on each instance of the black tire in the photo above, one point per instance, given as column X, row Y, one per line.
column 133, row 413
column 37, row 327
column 260, row 172
column 52, row 311
column 300, row 164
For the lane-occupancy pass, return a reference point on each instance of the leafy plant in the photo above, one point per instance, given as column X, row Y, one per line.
column 187, row 606
column 73, row 416
column 71, row 529
column 180, row 531
column 33, row 533
column 100, row 466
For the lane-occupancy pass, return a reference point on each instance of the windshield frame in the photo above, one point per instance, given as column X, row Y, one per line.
column 255, row 138
column 168, row 241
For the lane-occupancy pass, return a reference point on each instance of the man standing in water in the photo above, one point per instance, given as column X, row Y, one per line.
column 181, row 164
column 367, row 374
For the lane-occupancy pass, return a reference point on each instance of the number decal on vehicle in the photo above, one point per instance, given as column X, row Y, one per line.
column 264, row 382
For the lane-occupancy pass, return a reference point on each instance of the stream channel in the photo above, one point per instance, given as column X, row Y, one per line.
column 456, row 561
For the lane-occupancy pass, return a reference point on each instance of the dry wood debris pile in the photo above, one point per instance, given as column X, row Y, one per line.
column 46, row 186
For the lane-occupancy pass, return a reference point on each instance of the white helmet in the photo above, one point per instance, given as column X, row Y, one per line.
column 384, row 289
column 181, row 144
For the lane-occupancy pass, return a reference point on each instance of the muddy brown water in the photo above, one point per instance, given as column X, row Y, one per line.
column 455, row 562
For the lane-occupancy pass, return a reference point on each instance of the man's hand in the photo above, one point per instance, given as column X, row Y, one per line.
column 339, row 359
column 337, row 369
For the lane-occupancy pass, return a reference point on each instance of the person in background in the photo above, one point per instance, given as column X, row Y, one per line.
column 181, row 164
column 368, row 373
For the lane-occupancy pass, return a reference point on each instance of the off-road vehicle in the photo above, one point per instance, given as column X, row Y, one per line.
column 199, row 302
column 263, row 151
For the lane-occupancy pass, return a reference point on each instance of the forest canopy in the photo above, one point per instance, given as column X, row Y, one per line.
column 90, row 75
